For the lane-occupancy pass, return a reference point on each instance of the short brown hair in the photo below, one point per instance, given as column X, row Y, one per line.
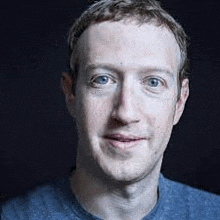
column 143, row 11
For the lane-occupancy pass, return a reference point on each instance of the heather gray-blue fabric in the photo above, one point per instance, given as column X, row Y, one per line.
column 54, row 200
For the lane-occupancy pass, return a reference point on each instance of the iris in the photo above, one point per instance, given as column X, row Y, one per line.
column 153, row 82
column 101, row 80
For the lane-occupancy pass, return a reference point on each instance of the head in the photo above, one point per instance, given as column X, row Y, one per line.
column 127, row 86
column 142, row 11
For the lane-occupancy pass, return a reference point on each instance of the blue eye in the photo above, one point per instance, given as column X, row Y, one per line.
column 101, row 80
column 153, row 82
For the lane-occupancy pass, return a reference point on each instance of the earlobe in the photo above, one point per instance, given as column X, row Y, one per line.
column 180, row 105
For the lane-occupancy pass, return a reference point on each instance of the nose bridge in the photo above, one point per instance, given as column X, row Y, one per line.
column 126, row 102
column 126, row 96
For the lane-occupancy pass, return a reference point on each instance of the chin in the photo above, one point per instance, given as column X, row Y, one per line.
column 124, row 174
column 131, row 172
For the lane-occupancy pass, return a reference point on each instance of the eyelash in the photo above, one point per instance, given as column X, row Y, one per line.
column 95, row 84
column 146, row 82
column 159, row 81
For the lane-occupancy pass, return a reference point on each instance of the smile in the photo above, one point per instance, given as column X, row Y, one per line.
column 123, row 141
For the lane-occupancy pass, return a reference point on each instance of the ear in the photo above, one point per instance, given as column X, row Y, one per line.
column 180, row 104
column 66, row 85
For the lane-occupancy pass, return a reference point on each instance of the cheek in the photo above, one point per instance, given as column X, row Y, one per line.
column 94, row 113
column 162, row 116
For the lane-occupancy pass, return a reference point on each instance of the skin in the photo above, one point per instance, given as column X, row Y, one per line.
column 127, row 84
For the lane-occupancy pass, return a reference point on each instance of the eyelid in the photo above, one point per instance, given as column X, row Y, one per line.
column 102, row 74
column 157, row 89
column 155, row 77
column 97, row 85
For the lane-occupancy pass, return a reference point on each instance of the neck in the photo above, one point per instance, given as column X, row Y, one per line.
column 114, row 200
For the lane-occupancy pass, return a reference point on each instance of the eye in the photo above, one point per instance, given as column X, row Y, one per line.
column 101, row 80
column 153, row 82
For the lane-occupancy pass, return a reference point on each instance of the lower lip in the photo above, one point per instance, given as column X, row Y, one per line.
column 124, row 145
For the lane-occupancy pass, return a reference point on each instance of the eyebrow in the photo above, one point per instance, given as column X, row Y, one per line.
column 110, row 67
column 159, row 70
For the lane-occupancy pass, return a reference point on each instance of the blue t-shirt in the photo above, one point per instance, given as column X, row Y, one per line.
column 55, row 200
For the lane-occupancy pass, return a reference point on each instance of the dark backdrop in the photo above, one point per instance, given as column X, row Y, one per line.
column 38, row 137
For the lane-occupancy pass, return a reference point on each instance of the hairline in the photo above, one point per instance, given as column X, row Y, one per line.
column 136, row 18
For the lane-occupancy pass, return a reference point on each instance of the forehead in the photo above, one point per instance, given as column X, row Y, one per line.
column 130, row 44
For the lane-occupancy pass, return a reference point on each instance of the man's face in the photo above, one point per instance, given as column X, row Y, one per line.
column 126, row 97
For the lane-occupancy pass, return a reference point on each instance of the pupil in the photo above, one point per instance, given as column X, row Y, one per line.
column 102, row 79
column 153, row 82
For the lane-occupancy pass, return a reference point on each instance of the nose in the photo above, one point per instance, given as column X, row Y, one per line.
column 125, row 108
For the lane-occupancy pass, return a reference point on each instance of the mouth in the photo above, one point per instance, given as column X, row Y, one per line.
column 122, row 141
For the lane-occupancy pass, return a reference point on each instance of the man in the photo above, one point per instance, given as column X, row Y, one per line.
column 126, row 88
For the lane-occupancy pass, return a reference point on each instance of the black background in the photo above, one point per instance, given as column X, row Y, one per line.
column 38, row 137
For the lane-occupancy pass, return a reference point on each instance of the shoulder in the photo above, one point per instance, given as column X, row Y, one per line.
column 43, row 202
column 192, row 194
column 196, row 201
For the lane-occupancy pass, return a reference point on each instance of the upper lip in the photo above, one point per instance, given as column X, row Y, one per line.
column 123, row 137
